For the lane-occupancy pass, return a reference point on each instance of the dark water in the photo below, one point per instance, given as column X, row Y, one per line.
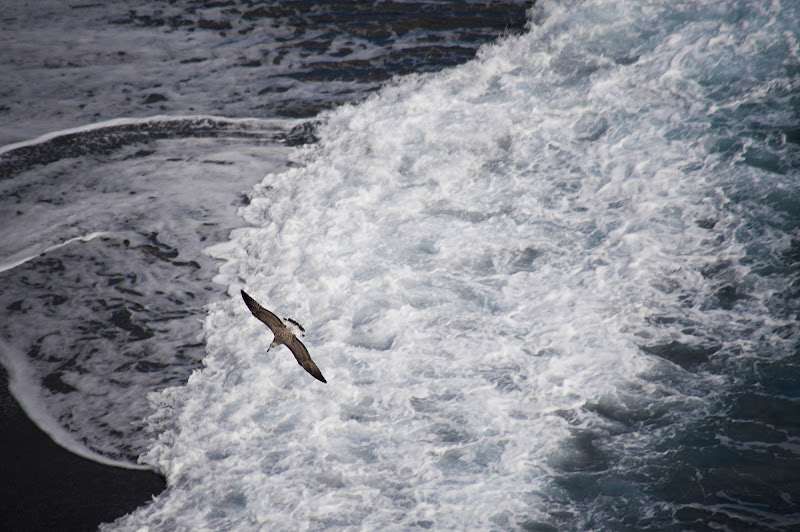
column 236, row 59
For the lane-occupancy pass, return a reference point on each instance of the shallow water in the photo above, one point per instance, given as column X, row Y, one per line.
column 67, row 65
column 115, row 293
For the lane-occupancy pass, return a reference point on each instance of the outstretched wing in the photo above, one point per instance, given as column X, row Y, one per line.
column 271, row 320
column 304, row 359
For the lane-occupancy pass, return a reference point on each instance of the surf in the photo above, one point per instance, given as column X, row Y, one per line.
column 526, row 275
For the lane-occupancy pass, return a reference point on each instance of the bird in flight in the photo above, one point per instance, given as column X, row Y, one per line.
column 284, row 335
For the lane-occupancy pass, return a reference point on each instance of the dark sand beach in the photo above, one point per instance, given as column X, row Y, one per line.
column 46, row 487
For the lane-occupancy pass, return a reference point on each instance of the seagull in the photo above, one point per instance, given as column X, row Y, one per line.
column 284, row 335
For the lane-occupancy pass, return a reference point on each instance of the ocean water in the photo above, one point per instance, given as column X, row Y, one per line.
column 554, row 287
column 105, row 219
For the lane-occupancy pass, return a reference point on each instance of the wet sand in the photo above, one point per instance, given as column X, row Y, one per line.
column 46, row 487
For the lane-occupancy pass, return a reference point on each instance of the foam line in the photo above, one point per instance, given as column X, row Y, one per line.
column 22, row 387
column 13, row 261
column 276, row 123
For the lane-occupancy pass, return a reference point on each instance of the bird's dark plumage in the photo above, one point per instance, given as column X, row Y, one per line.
column 283, row 335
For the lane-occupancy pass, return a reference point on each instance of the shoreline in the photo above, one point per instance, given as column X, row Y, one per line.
column 46, row 487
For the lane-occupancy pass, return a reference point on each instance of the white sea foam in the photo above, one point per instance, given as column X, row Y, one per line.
column 477, row 256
